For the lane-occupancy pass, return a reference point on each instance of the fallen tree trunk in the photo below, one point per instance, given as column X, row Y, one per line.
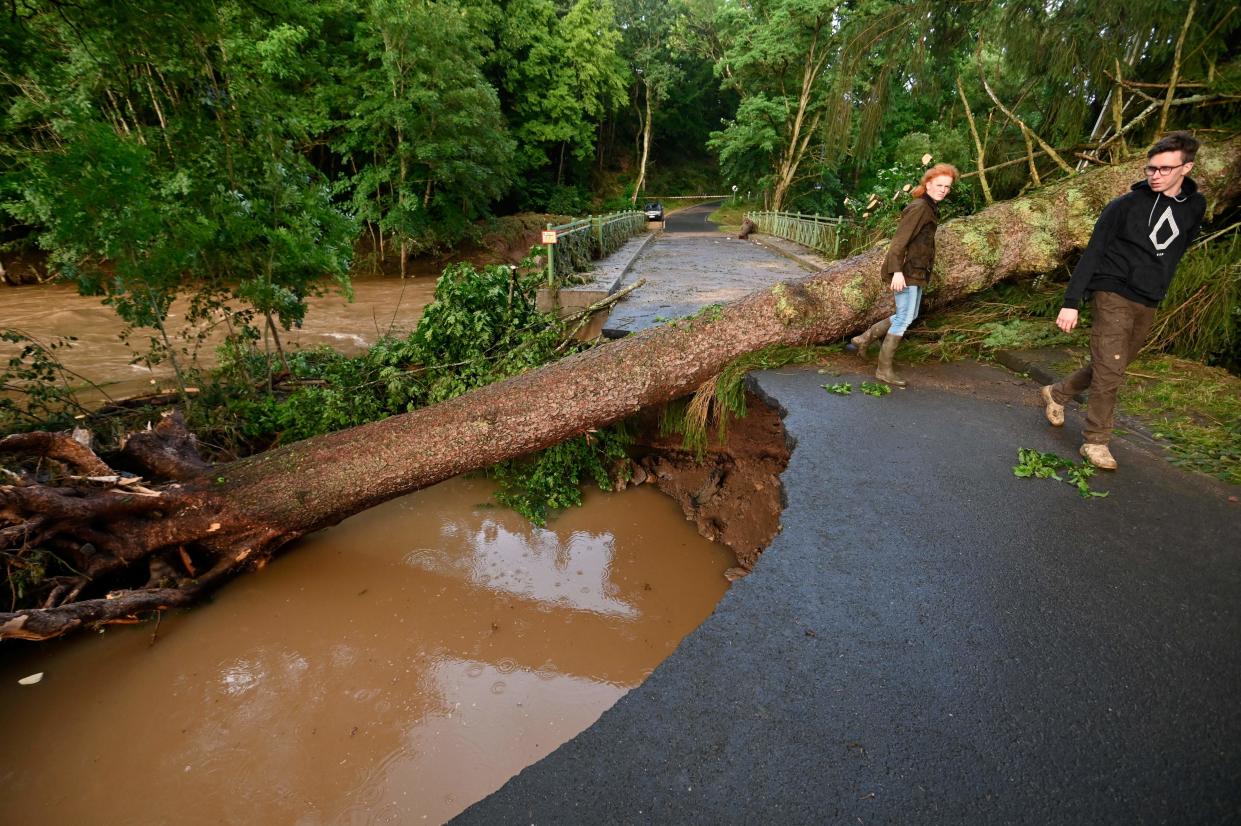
column 200, row 530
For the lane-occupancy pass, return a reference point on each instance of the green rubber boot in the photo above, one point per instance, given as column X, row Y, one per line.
column 884, row 372
column 875, row 332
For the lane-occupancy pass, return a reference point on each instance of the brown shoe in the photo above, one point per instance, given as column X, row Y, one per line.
column 1052, row 409
column 884, row 372
column 875, row 332
column 1099, row 456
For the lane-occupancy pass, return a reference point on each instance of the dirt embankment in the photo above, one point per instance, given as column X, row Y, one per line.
column 733, row 494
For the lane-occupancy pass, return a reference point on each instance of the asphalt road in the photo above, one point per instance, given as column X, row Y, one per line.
column 933, row 640
column 690, row 265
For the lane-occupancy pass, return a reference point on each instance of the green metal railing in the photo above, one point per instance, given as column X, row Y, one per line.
column 580, row 242
column 817, row 232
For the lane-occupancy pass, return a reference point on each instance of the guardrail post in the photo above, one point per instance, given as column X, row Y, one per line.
column 551, row 263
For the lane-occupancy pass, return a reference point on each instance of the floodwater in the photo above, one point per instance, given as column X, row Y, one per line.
column 49, row 311
column 393, row 669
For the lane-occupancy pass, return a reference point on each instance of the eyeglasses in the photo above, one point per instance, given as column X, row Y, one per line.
column 1152, row 171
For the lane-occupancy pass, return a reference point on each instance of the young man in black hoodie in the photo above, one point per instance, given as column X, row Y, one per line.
column 1127, row 267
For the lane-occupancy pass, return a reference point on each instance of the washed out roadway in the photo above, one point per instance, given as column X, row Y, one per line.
column 933, row 640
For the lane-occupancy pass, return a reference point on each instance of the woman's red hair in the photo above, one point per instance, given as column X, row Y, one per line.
column 934, row 172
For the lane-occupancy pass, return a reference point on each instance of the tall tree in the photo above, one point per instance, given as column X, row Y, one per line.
column 423, row 126
column 649, row 28
column 562, row 75
column 795, row 65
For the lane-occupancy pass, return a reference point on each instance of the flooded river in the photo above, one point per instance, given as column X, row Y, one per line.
column 48, row 311
column 395, row 668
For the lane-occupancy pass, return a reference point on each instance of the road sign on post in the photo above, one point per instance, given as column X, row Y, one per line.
column 549, row 236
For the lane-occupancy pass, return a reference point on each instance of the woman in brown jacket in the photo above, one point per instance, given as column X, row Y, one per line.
column 909, row 262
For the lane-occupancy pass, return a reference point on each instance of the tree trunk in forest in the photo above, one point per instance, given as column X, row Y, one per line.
column 214, row 524
column 646, row 147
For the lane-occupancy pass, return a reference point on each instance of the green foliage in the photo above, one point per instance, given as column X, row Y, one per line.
column 1021, row 334
column 561, row 74
column 1016, row 316
column 1194, row 409
column 1200, row 318
column 842, row 388
column 148, row 164
column 35, row 391
column 1033, row 464
column 716, row 401
column 551, row 479
column 567, row 200
column 482, row 327
column 423, row 127
column 874, row 388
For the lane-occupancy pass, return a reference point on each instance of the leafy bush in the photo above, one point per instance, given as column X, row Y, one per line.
column 35, row 392
column 551, row 479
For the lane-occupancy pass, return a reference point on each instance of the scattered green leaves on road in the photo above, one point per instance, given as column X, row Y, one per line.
column 840, row 388
column 1033, row 464
column 875, row 388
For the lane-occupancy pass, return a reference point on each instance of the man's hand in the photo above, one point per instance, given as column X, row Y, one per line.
column 898, row 282
column 1067, row 319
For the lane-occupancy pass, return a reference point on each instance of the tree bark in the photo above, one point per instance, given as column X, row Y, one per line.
column 646, row 145
column 238, row 514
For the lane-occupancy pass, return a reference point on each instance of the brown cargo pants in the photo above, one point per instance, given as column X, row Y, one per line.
column 1119, row 331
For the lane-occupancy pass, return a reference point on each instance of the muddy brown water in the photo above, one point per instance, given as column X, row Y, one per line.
column 395, row 668
column 49, row 311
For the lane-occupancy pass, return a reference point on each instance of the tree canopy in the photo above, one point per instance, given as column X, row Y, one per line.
column 244, row 151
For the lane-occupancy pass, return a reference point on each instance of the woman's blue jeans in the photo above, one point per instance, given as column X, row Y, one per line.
column 908, row 302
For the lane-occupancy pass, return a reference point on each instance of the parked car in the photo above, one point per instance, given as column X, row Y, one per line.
column 654, row 211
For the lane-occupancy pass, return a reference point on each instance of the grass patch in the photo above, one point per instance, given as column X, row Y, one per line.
column 1005, row 317
column 1193, row 408
column 723, row 397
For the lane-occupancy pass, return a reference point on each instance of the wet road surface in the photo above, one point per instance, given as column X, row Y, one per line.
column 933, row 640
column 690, row 265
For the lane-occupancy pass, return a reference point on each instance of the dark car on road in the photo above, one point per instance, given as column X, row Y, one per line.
column 654, row 211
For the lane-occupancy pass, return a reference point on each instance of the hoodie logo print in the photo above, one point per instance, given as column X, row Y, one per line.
column 1166, row 218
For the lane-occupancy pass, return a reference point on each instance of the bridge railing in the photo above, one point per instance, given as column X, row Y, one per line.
column 818, row 232
column 578, row 243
